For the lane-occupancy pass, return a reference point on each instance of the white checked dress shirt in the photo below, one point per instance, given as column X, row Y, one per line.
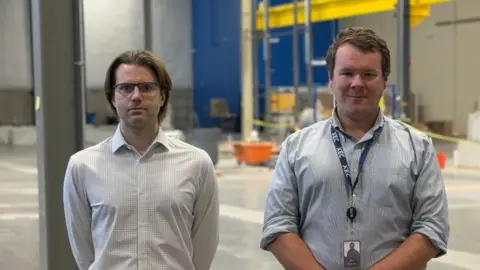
column 157, row 211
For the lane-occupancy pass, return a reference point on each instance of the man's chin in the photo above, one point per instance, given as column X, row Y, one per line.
column 360, row 112
column 354, row 109
column 137, row 121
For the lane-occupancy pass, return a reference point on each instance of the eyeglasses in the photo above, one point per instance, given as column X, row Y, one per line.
column 127, row 89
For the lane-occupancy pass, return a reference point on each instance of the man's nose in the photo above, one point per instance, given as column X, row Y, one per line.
column 357, row 81
column 136, row 94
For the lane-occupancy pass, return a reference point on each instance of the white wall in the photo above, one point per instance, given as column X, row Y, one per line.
column 172, row 39
column 15, row 55
column 445, row 59
column 111, row 27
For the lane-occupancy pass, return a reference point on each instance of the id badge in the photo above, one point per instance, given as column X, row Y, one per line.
column 351, row 254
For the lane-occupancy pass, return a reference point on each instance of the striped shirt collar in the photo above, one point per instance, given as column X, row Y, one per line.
column 379, row 123
column 118, row 140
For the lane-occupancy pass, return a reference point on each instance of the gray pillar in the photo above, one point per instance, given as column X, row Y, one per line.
column 296, row 61
column 266, row 60
column 309, row 52
column 403, row 56
column 59, row 118
column 147, row 24
column 255, row 34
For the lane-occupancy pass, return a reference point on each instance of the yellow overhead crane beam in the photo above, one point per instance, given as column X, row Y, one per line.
column 324, row 10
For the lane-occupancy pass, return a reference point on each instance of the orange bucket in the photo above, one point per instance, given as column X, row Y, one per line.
column 253, row 153
column 442, row 159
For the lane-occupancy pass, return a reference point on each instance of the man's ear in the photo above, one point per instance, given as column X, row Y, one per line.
column 162, row 98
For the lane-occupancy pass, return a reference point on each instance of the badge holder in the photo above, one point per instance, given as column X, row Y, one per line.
column 351, row 254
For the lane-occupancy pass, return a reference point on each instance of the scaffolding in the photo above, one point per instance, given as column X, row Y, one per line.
column 265, row 35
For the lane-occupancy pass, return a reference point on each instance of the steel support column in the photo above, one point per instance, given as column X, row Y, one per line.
column 295, row 55
column 266, row 59
column 147, row 24
column 403, row 56
column 58, row 73
column 309, row 51
column 247, row 67
column 254, row 43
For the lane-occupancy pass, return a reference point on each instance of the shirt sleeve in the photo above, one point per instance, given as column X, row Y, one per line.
column 205, row 230
column 281, row 213
column 77, row 217
column 430, row 208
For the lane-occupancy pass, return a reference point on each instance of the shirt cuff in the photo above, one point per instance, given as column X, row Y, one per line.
column 276, row 227
column 436, row 240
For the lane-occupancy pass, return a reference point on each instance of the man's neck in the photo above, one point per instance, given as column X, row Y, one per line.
column 139, row 137
column 357, row 126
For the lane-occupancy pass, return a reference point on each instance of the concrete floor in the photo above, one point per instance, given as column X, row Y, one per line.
column 242, row 200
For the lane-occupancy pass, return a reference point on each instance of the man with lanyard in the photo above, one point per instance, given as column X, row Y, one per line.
column 358, row 180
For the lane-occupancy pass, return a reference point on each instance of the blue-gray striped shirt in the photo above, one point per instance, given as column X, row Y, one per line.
column 158, row 211
column 400, row 192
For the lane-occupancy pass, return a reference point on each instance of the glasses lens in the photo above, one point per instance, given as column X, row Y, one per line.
column 125, row 88
column 128, row 88
column 147, row 87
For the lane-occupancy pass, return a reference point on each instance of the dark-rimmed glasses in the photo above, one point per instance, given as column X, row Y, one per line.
column 126, row 89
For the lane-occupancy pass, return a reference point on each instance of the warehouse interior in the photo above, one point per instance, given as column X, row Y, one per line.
column 242, row 80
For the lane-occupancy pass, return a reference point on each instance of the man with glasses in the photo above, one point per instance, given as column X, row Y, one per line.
column 141, row 200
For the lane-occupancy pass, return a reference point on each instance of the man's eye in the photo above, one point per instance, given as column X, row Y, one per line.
column 124, row 87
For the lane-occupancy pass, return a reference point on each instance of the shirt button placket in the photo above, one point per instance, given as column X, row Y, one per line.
column 142, row 222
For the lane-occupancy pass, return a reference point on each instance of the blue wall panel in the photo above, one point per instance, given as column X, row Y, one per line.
column 216, row 59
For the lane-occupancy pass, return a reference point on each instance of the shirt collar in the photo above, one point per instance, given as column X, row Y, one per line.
column 378, row 123
column 118, row 140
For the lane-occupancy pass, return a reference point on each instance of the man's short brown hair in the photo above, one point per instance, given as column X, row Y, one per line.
column 145, row 59
column 364, row 39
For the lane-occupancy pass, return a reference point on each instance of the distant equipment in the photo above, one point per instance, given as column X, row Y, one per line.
column 219, row 107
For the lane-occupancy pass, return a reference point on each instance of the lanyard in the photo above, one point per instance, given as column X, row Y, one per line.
column 343, row 159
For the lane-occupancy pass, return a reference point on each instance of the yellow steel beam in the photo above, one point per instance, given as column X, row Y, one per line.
column 324, row 10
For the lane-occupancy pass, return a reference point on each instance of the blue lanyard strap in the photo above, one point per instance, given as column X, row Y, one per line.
column 343, row 159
